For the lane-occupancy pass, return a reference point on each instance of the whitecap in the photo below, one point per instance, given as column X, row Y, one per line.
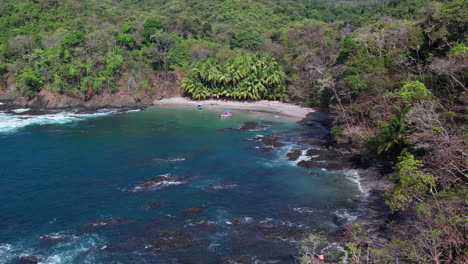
column 303, row 156
column 353, row 176
column 21, row 110
column 11, row 123
column 346, row 215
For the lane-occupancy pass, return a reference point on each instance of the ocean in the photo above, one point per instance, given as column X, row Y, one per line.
column 162, row 186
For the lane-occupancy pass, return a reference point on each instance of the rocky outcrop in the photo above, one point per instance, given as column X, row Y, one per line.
column 47, row 99
column 28, row 260
column 195, row 209
column 269, row 140
column 294, row 155
column 107, row 222
column 157, row 183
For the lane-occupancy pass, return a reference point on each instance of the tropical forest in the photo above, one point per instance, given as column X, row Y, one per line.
column 391, row 74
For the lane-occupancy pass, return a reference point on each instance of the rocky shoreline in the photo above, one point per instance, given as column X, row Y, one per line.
column 374, row 212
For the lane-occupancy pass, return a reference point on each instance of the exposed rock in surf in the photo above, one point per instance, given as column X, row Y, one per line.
column 236, row 222
column 322, row 154
column 281, row 232
column 221, row 186
column 269, row 140
column 266, row 149
column 250, row 126
column 157, row 183
column 195, row 209
column 294, row 155
column 328, row 165
column 238, row 260
column 108, row 222
column 28, row 260
column 54, row 238
column 171, row 239
column 311, row 173
column 199, row 224
column 151, row 205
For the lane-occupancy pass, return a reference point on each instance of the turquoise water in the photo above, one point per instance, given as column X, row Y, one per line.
column 59, row 177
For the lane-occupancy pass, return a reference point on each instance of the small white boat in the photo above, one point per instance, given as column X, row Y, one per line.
column 226, row 113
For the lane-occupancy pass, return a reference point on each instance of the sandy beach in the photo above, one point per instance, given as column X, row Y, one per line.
column 281, row 110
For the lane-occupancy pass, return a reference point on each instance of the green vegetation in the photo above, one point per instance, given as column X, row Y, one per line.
column 241, row 77
column 393, row 74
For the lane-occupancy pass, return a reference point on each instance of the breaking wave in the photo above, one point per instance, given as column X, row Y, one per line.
column 14, row 122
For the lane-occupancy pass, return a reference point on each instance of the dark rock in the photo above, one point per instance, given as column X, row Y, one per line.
column 238, row 260
column 266, row 149
column 221, row 186
column 195, row 209
column 151, row 205
column 108, row 222
column 236, row 222
column 249, row 126
column 313, row 173
column 322, row 154
column 171, row 239
column 28, row 260
column 294, row 155
column 328, row 165
column 158, row 182
column 270, row 140
column 54, row 238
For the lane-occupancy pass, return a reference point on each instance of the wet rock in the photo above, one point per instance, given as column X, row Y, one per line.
column 54, row 238
column 221, row 186
column 294, row 155
column 195, row 209
column 281, row 232
column 171, row 239
column 157, row 183
column 266, row 149
column 328, row 165
column 201, row 224
column 322, row 154
column 28, row 260
column 236, row 222
column 151, row 205
column 238, row 260
column 269, row 140
column 249, row 126
column 313, row 173
column 108, row 222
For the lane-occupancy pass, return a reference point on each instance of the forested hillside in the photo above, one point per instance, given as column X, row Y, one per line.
column 393, row 74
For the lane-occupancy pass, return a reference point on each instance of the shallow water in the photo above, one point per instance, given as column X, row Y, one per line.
column 64, row 173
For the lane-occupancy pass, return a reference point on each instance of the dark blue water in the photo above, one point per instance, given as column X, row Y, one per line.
column 62, row 179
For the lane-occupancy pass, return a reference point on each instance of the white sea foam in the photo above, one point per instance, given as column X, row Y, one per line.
column 21, row 110
column 303, row 157
column 346, row 215
column 11, row 123
column 353, row 176
column 6, row 253
column 67, row 252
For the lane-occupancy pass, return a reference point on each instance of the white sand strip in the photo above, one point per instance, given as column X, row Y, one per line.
column 288, row 111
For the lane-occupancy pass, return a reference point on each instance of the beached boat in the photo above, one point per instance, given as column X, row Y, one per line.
column 226, row 113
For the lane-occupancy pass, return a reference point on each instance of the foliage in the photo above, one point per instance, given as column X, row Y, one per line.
column 247, row 40
column 150, row 28
column 243, row 77
column 410, row 183
column 73, row 38
column 414, row 91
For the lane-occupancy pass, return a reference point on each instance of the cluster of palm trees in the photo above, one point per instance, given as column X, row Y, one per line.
column 247, row 77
